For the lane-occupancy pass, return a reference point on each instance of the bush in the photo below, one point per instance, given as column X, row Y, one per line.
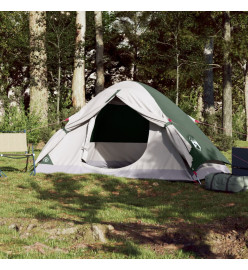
column 16, row 119
column 220, row 140
column 239, row 123
column 223, row 142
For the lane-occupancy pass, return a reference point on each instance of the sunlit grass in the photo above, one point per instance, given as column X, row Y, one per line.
column 58, row 199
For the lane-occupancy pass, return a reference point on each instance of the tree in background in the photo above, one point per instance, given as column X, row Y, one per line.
column 14, row 56
column 38, row 68
column 240, row 71
column 227, row 73
column 60, row 38
column 99, row 86
column 172, row 55
column 162, row 49
column 78, row 81
column 209, row 78
column 209, row 32
column 118, row 53
column 132, row 26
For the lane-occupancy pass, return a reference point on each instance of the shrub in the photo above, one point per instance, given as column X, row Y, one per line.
column 220, row 140
column 16, row 119
column 239, row 123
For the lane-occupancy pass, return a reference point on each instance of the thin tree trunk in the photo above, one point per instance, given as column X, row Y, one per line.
column 177, row 63
column 135, row 69
column 99, row 52
column 38, row 68
column 246, row 99
column 199, row 106
column 208, row 96
column 227, row 83
column 135, row 58
column 78, row 81
column 58, row 94
column 177, row 80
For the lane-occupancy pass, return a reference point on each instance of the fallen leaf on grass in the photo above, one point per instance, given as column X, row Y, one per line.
column 229, row 204
column 79, row 246
column 42, row 248
column 176, row 193
column 155, row 184
column 59, row 180
column 38, row 247
column 173, row 247
column 177, row 220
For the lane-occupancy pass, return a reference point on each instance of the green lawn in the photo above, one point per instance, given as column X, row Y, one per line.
column 151, row 218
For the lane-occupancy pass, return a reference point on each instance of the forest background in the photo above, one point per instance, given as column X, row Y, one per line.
column 52, row 63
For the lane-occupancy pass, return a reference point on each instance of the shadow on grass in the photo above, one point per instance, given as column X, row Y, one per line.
column 65, row 191
column 10, row 169
column 157, row 202
column 158, row 240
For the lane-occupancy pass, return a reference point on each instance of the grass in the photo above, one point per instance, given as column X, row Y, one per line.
column 130, row 205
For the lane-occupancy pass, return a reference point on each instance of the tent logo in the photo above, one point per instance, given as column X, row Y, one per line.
column 46, row 159
column 195, row 143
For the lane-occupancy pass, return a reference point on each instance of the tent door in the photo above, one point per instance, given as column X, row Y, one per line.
column 86, row 144
column 117, row 137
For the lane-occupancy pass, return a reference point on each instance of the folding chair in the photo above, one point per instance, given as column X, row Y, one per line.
column 11, row 143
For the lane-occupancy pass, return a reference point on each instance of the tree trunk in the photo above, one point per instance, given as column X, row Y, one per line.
column 38, row 68
column 208, row 96
column 135, row 69
column 227, row 83
column 177, row 80
column 99, row 53
column 246, row 99
column 135, row 53
column 199, row 106
column 78, row 81
column 58, row 94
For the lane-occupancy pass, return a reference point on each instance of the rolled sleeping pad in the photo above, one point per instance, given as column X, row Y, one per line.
column 226, row 182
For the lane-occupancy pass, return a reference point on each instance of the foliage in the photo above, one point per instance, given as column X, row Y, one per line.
column 172, row 41
column 213, row 130
column 16, row 119
column 138, row 45
column 239, row 123
column 14, row 52
column 188, row 103
column 60, row 42
column 222, row 141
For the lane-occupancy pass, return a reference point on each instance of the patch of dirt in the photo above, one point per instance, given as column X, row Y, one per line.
column 225, row 239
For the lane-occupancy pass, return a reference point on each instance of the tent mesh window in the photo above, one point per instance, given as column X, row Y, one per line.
column 120, row 123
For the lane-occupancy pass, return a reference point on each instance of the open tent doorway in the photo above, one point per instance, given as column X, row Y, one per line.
column 119, row 137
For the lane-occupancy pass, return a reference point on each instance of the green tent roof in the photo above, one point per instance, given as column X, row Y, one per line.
column 203, row 150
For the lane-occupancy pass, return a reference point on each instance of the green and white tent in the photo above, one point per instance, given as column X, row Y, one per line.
column 132, row 130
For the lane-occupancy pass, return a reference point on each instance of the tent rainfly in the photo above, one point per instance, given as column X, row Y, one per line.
column 132, row 130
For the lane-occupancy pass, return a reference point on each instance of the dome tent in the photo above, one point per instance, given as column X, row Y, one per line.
column 131, row 130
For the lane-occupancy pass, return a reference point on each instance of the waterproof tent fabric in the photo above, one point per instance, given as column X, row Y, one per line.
column 188, row 129
column 171, row 152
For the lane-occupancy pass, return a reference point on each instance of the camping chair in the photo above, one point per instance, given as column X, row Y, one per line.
column 10, row 143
